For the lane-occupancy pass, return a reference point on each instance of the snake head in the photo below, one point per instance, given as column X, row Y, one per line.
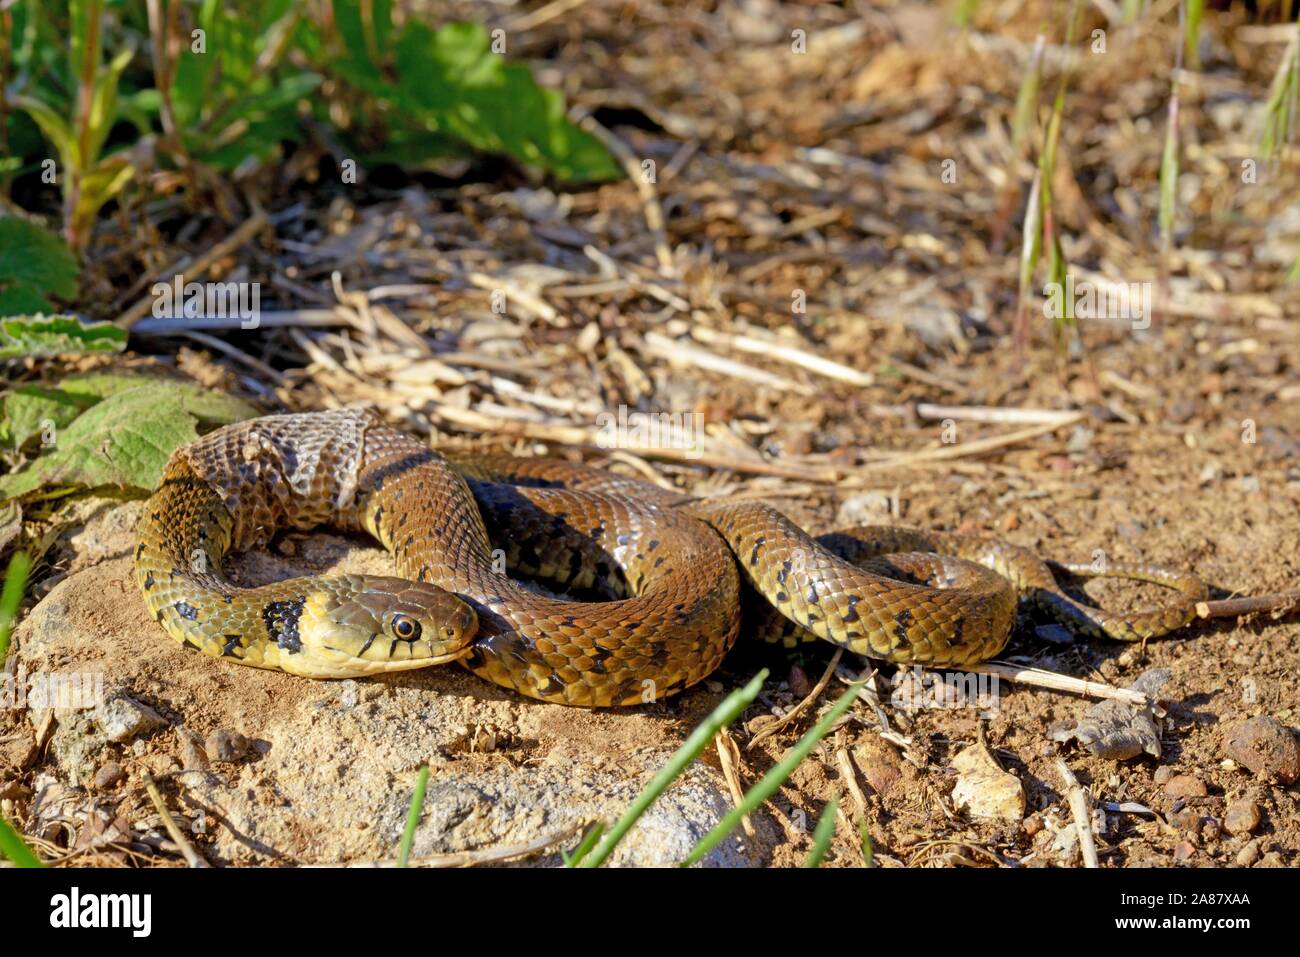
column 360, row 624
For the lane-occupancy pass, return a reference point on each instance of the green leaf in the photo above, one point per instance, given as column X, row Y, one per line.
column 30, row 410
column 123, row 441
column 36, row 257
column 13, row 847
column 56, row 335
column 211, row 408
column 449, row 81
column 56, row 130
column 21, row 299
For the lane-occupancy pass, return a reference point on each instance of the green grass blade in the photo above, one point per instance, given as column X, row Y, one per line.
column 1027, row 98
column 868, row 850
column 722, row 715
column 15, row 848
column 585, row 846
column 11, row 595
column 413, row 817
column 774, row 778
column 825, row 831
column 1192, row 32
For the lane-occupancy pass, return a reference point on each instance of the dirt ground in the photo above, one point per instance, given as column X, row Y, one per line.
column 1186, row 454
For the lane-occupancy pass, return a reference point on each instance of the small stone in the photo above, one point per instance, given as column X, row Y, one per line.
column 1054, row 634
column 109, row 776
column 223, row 745
column 1265, row 746
column 1186, row 819
column 1184, row 852
column 1163, row 774
column 1249, row 854
column 1242, row 817
column 1032, row 824
column 1271, row 859
column 800, row 686
column 193, row 755
column 1185, row 786
column 123, row 718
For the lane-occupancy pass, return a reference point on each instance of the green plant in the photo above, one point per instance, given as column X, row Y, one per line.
column 34, row 264
column 774, row 778
column 12, row 845
column 824, row 833
column 589, row 853
column 413, row 816
column 89, row 179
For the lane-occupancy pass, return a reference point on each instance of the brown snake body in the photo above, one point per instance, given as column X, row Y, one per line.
column 662, row 571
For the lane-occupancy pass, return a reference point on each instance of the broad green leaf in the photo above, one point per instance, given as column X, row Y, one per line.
column 56, row 335
column 123, row 441
column 21, row 299
column 214, row 408
column 29, row 410
column 36, row 257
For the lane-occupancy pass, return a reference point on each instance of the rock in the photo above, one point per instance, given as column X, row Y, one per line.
column 122, row 718
column 1249, row 854
column 984, row 790
column 1185, row 786
column 1265, row 746
column 109, row 776
column 1163, row 774
column 865, row 509
column 222, row 745
column 798, row 681
column 1185, row 819
column 1241, row 817
column 880, row 764
column 1184, row 852
column 1271, row 859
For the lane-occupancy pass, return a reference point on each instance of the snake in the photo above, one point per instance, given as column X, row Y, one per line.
column 564, row 582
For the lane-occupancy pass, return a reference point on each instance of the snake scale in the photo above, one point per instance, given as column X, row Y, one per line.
column 651, row 580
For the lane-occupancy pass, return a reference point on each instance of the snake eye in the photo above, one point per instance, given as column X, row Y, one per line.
column 405, row 627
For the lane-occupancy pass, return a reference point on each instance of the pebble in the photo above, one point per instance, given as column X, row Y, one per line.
column 123, row 718
column 1163, row 774
column 1242, row 817
column 1265, row 746
column 1249, row 854
column 1186, row 819
column 1184, row 852
column 1185, row 786
column 800, row 686
column 1271, row 859
column 223, row 745
column 109, row 776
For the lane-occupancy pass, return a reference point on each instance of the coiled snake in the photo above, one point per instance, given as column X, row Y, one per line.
column 661, row 573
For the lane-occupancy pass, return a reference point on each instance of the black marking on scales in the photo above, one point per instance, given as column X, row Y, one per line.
column 281, row 619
